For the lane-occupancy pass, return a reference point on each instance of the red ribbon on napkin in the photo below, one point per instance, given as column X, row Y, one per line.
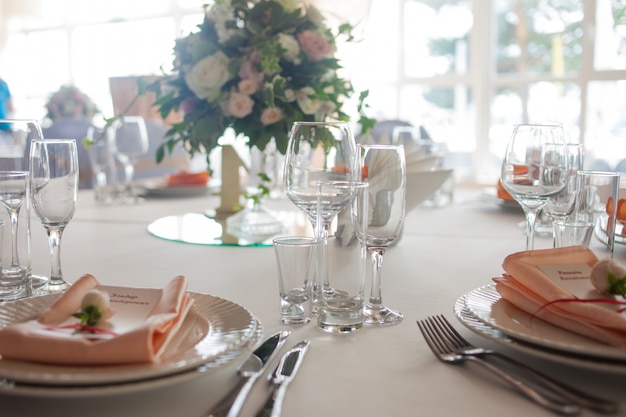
column 527, row 285
column 34, row 341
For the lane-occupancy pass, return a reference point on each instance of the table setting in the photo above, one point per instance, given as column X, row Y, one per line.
column 161, row 310
column 237, row 306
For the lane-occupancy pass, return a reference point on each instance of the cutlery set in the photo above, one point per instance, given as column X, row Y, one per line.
column 450, row 347
column 253, row 368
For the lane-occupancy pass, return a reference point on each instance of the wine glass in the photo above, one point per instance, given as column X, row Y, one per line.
column 384, row 167
column 15, row 138
column 561, row 205
column 54, row 190
column 532, row 172
column 320, row 152
column 130, row 137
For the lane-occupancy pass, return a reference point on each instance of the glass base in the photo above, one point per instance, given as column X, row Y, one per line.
column 295, row 322
column 381, row 315
column 38, row 281
column 57, row 286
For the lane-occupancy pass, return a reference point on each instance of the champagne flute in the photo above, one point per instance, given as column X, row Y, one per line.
column 130, row 137
column 54, row 190
column 561, row 205
column 384, row 167
column 320, row 152
column 532, row 172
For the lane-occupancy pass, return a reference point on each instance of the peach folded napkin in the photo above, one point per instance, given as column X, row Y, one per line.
column 43, row 340
column 544, row 282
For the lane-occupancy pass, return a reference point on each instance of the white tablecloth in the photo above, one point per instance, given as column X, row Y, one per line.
column 378, row 371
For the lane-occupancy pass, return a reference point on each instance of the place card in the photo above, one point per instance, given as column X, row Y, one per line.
column 575, row 278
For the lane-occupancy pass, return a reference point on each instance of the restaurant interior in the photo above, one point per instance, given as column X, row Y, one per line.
column 229, row 176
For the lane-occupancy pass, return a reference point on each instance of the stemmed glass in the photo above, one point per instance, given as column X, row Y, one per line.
column 384, row 167
column 131, row 142
column 561, row 205
column 54, row 190
column 320, row 152
column 532, row 172
column 15, row 138
column 13, row 190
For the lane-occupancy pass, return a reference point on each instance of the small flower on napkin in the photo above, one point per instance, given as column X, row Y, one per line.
column 95, row 308
column 608, row 277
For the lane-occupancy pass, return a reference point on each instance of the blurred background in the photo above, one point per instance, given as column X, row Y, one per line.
column 464, row 71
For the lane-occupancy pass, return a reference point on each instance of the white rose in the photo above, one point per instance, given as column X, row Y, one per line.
column 315, row 15
column 290, row 95
column 291, row 46
column 307, row 104
column 600, row 276
column 219, row 14
column 99, row 300
column 208, row 75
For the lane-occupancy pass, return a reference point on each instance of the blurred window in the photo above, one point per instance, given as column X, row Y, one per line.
column 464, row 70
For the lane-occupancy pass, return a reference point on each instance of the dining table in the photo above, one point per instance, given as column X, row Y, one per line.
column 443, row 253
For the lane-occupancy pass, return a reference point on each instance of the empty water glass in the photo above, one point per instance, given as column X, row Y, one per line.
column 596, row 203
column 296, row 268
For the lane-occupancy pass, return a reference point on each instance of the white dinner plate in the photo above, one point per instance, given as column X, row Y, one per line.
column 487, row 305
column 214, row 327
column 231, row 359
column 465, row 316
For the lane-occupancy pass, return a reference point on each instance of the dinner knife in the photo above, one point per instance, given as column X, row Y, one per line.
column 249, row 371
column 281, row 377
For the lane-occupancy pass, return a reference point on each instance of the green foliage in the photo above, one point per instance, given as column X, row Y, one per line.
column 262, row 42
column 617, row 286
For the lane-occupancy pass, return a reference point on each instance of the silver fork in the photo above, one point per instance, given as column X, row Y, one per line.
column 445, row 353
column 462, row 346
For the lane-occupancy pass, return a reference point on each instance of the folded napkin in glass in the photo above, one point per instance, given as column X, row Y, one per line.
column 554, row 285
column 144, row 323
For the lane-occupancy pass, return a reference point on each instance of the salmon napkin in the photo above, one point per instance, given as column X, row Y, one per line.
column 144, row 323
column 554, row 285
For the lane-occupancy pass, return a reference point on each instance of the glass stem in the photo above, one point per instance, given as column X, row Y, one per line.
column 129, row 172
column 54, row 238
column 321, row 233
column 531, row 218
column 376, row 255
column 15, row 258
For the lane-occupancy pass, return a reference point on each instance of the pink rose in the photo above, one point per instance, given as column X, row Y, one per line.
column 240, row 105
column 249, row 68
column 315, row 45
column 271, row 115
column 247, row 86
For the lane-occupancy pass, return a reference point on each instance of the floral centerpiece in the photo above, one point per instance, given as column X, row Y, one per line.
column 255, row 67
column 70, row 102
